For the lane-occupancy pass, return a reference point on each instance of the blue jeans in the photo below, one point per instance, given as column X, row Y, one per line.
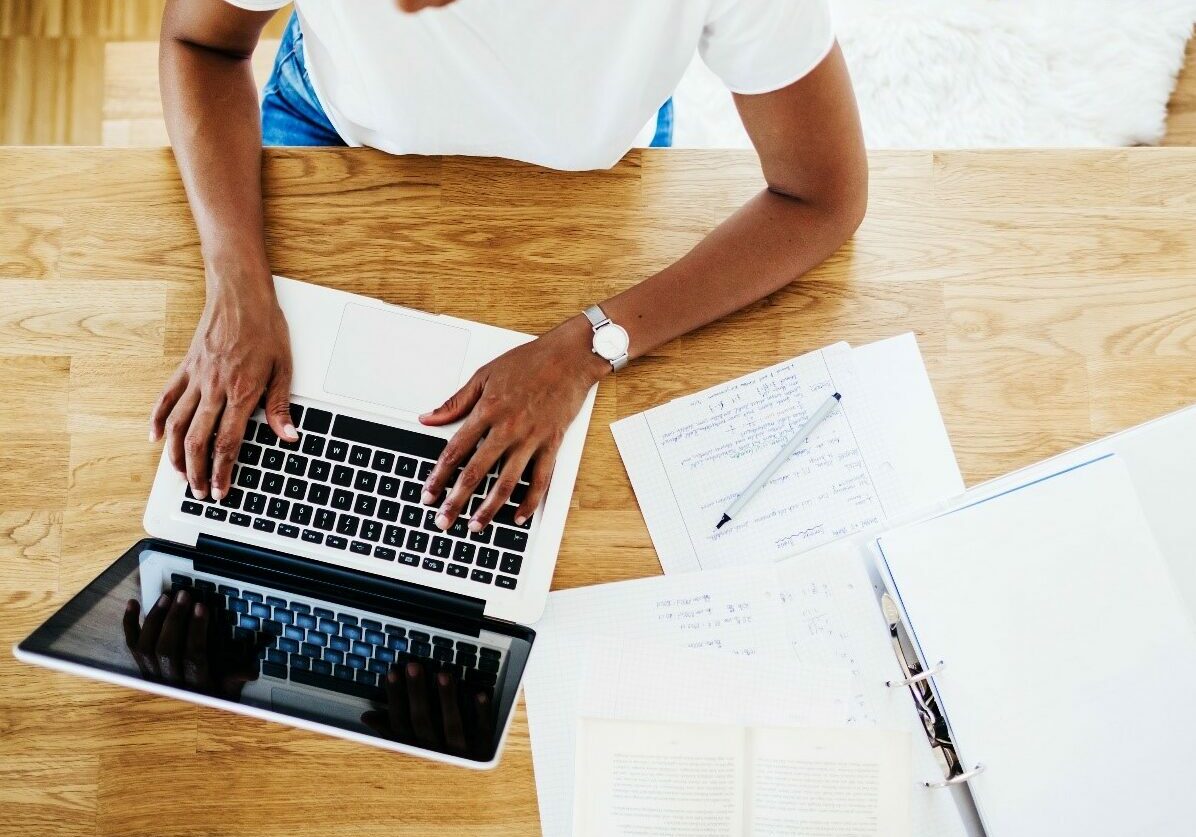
column 292, row 114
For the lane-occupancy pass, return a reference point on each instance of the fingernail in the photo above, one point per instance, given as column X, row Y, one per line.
column 197, row 611
column 475, row 526
column 427, row 498
column 288, row 430
column 198, row 492
column 218, row 494
column 423, row 416
column 520, row 519
column 392, row 676
column 153, row 437
column 183, row 597
column 442, row 679
column 413, row 669
column 164, row 599
column 442, row 521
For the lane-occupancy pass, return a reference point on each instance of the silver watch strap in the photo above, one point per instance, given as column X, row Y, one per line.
column 596, row 316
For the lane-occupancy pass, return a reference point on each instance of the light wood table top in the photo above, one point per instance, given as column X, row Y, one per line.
column 1053, row 294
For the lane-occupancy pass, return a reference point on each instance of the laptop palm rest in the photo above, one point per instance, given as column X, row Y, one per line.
column 385, row 357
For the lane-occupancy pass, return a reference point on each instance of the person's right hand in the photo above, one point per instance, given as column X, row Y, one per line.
column 241, row 349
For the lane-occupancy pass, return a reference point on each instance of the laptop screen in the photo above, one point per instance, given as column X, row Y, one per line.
column 153, row 616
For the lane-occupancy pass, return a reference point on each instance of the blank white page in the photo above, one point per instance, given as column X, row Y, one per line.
column 1070, row 663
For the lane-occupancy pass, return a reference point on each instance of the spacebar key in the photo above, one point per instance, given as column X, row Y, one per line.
column 390, row 438
column 335, row 684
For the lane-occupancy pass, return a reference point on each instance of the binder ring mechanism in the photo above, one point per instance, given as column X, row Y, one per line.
column 916, row 678
column 957, row 780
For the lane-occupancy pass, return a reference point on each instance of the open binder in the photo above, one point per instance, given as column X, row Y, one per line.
column 1044, row 622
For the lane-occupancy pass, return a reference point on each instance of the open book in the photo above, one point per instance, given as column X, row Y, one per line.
column 711, row 780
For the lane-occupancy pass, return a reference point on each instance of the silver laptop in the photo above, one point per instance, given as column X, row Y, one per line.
column 328, row 598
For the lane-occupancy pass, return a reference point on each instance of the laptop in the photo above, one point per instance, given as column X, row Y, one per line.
column 319, row 592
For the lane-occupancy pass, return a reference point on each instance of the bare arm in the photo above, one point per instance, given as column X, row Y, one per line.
column 517, row 407
column 241, row 346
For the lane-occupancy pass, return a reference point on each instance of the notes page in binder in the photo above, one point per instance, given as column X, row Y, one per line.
column 834, row 619
column 689, row 459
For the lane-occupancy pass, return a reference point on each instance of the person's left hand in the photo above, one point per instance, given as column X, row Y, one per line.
column 516, row 409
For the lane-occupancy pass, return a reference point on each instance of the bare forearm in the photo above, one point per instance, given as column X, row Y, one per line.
column 211, row 110
column 768, row 243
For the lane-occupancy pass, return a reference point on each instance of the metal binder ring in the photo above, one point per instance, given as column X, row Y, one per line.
column 917, row 678
column 957, row 780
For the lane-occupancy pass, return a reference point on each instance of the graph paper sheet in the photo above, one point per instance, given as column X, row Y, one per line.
column 883, row 452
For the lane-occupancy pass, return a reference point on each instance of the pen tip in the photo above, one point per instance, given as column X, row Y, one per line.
column 720, row 524
column 837, row 396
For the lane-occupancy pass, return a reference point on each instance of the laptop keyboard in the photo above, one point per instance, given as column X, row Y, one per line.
column 314, row 645
column 353, row 485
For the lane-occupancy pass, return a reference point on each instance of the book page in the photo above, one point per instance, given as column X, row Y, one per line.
column 828, row 783
column 658, row 779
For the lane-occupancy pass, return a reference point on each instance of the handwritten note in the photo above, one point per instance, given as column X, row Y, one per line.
column 689, row 459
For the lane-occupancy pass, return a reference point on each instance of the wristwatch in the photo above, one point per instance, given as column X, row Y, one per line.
column 610, row 339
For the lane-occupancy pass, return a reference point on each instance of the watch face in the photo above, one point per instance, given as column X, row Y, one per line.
column 611, row 341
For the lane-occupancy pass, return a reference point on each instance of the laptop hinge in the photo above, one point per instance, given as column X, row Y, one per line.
column 356, row 588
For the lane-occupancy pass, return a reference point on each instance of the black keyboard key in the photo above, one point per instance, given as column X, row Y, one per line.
column 412, row 491
column 346, row 524
column 191, row 507
column 512, row 539
column 225, row 590
column 288, row 644
column 296, row 414
column 360, row 547
column 272, row 483
column 481, row 576
column 294, row 632
column 406, row 467
column 238, row 519
column 296, row 489
column 283, row 616
column 309, row 649
column 180, row 580
column 319, row 493
column 394, row 536
column 388, row 510
column 273, row 459
column 464, row 552
column 263, row 525
column 483, row 536
column 338, row 644
column 325, row 519
column 366, row 678
column 442, row 640
column 433, row 565
column 304, row 620
column 265, row 435
column 511, row 563
column 466, row 647
column 365, row 481
column 301, row 514
column 313, row 445
column 430, row 521
column 273, row 669
column 319, row 470
column 259, row 609
column 300, row 607
column 255, row 503
column 409, row 559
column 342, row 475
column 336, row 451
column 215, row 513
column 272, row 627
column 488, row 664
column 389, row 486
column 342, row 500
column 487, row 558
column 355, row 661
column 348, row 619
column 458, row 570
column 291, row 445
column 359, row 456
column 364, row 649
column 445, row 655
column 335, row 542
column 420, row 636
column 288, row 531
column 417, row 541
column 296, row 465
column 248, row 477
column 519, row 493
column 441, row 547
column 371, row 530
column 327, row 626
column 412, row 515
column 459, row 529
column 378, row 667
column 425, row 468
column 506, row 515
column 505, row 581
column 374, row 635
column 383, row 461
column 384, row 552
column 365, row 505
column 249, row 454
column 278, row 508
column 250, row 429
column 421, row 649
column 323, row 613
column 319, row 678
column 396, row 630
column 317, row 421
column 389, row 438
column 300, row 662
column 491, row 653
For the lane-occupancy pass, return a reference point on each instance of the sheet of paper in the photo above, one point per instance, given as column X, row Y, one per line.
column 689, row 459
column 834, row 619
column 736, row 611
column 658, row 778
column 1056, row 616
column 828, row 782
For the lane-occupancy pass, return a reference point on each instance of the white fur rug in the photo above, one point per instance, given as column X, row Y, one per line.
column 987, row 73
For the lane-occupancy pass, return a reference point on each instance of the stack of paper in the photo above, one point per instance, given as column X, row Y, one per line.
column 882, row 454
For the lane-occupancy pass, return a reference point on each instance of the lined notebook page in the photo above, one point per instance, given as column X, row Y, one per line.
column 737, row 611
column 834, row 619
column 690, row 458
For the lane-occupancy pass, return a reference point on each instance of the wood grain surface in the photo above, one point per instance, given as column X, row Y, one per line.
column 1052, row 293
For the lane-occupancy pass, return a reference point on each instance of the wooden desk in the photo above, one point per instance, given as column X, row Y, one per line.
column 1053, row 294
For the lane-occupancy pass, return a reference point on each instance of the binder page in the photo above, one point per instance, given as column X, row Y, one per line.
column 1070, row 661
column 689, row 459
column 834, row 619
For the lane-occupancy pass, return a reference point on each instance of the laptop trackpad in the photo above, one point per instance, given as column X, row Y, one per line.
column 389, row 358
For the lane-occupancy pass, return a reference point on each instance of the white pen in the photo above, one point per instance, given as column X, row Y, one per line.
column 771, row 468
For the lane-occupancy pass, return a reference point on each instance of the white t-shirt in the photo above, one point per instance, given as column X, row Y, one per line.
column 568, row 84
